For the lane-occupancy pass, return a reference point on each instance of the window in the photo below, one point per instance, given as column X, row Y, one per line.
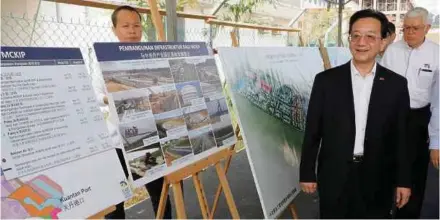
column 402, row 16
column 391, row 5
column 404, row 5
column 367, row 4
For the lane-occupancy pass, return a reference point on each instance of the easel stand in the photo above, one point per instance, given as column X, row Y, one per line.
column 194, row 170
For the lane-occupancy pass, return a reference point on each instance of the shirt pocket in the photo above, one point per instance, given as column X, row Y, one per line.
column 424, row 78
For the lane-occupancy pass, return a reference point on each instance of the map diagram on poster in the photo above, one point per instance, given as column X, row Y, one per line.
column 170, row 111
column 62, row 192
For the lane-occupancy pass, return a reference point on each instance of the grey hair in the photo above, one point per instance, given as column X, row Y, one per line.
column 419, row 12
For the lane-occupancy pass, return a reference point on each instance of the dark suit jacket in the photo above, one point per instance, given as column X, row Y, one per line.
column 330, row 130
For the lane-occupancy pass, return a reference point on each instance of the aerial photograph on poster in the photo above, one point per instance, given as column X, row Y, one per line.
column 145, row 158
column 188, row 91
column 182, row 70
column 202, row 140
column 207, row 70
column 135, row 132
column 151, row 73
column 169, row 121
column 197, row 119
column 209, row 79
column 221, row 121
column 176, row 148
column 130, row 103
column 163, row 98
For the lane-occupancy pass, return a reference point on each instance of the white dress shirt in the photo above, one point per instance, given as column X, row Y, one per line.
column 420, row 66
column 361, row 94
column 98, row 82
column 101, row 91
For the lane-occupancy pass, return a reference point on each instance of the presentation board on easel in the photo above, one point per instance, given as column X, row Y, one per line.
column 58, row 160
column 270, row 89
column 166, row 99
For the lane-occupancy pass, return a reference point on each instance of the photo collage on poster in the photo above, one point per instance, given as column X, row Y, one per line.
column 168, row 110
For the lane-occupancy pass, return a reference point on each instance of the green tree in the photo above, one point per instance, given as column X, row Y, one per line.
column 242, row 10
column 322, row 19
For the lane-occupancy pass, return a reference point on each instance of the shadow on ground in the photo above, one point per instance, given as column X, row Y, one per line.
column 244, row 192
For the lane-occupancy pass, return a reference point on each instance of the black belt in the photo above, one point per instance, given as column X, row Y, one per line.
column 425, row 109
column 358, row 158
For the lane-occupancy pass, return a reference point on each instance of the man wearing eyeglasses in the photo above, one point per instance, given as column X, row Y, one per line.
column 416, row 58
column 356, row 120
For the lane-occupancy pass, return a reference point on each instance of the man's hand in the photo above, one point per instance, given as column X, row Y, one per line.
column 105, row 99
column 402, row 196
column 308, row 187
column 434, row 158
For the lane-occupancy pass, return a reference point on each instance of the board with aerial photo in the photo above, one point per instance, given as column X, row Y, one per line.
column 163, row 107
column 270, row 89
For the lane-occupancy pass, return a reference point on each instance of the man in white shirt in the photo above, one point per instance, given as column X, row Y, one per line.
column 354, row 149
column 416, row 58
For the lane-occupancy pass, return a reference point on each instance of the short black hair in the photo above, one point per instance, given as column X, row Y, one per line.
column 369, row 13
column 391, row 28
column 120, row 8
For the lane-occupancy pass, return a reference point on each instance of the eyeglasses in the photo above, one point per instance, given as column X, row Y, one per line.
column 413, row 28
column 370, row 38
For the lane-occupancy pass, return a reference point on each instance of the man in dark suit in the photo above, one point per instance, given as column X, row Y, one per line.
column 357, row 122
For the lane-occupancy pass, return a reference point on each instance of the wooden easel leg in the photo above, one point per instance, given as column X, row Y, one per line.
column 163, row 199
column 227, row 191
column 200, row 194
column 178, row 199
column 204, row 196
column 219, row 188
column 292, row 210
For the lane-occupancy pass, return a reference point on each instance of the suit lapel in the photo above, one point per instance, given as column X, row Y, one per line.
column 349, row 99
column 377, row 92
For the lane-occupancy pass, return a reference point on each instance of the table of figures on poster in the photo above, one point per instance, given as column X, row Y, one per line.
column 57, row 157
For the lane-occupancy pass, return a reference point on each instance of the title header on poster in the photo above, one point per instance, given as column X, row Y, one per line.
column 154, row 50
column 40, row 56
column 13, row 54
column 159, row 47
column 39, row 53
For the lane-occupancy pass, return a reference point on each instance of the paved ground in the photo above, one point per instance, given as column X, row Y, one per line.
column 244, row 192
column 246, row 197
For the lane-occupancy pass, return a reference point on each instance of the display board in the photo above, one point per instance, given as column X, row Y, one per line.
column 49, row 111
column 170, row 112
column 57, row 158
column 270, row 89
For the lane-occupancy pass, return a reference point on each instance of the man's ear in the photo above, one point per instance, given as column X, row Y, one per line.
column 383, row 44
column 428, row 27
column 114, row 31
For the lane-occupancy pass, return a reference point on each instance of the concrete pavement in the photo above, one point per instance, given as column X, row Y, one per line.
column 244, row 192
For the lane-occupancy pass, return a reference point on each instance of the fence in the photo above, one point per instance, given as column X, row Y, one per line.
column 57, row 32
